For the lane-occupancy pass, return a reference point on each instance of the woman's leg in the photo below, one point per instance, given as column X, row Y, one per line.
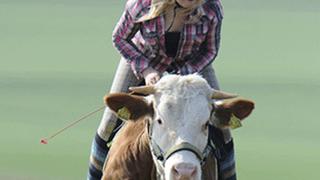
column 124, row 78
column 226, row 163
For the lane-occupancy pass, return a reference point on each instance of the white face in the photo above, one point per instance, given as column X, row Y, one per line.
column 188, row 3
column 180, row 119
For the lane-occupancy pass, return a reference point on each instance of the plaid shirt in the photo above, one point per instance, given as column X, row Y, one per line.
column 142, row 44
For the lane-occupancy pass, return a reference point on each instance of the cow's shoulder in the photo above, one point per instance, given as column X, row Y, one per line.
column 129, row 154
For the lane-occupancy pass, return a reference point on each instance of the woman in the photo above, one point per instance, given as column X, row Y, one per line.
column 157, row 36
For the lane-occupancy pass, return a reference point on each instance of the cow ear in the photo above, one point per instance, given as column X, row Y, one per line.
column 128, row 107
column 227, row 111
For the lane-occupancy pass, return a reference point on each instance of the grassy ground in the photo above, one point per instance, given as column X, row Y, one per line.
column 57, row 61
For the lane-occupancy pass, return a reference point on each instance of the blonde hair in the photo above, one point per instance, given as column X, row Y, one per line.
column 159, row 6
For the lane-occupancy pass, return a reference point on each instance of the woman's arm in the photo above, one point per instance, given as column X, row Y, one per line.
column 123, row 33
column 209, row 48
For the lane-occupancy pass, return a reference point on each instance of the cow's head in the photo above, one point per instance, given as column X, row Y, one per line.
column 179, row 110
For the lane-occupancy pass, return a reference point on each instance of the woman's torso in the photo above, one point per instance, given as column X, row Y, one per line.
column 150, row 38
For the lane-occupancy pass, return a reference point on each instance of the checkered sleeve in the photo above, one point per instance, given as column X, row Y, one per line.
column 123, row 33
column 210, row 46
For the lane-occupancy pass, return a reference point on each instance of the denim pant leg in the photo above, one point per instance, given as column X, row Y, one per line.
column 124, row 78
column 227, row 170
column 209, row 74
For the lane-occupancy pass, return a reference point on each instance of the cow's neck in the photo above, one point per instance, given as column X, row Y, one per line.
column 137, row 159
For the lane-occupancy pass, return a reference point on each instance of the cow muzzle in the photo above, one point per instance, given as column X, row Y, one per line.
column 183, row 165
column 180, row 162
column 184, row 171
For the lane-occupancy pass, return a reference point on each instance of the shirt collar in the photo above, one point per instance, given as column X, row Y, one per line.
column 205, row 10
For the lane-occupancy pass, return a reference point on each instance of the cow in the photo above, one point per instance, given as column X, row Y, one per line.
column 166, row 134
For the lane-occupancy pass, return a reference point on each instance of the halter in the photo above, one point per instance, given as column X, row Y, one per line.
column 162, row 156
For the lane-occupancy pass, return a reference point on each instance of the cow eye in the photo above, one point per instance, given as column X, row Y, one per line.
column 205, row 126
column 159, row 121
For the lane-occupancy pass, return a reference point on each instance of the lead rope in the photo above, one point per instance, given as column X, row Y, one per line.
column 45, row 140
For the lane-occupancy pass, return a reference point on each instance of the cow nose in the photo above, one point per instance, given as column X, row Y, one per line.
column 184, row 171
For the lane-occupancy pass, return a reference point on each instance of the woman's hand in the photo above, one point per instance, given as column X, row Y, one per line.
column 151, row 76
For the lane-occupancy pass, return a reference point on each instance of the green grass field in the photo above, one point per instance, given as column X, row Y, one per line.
column 57, row 62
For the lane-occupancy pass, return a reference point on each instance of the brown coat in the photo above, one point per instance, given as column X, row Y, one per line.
column 130, row 157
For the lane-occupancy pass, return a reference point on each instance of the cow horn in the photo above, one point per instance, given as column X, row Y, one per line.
column 143, row 89
column 222, row 95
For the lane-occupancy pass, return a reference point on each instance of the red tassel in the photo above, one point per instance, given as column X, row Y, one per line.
column 44, row 141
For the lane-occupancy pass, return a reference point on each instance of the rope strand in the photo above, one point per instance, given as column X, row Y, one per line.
column 45, row 140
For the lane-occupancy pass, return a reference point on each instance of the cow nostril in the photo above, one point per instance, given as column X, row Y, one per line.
column 175, row 171
column 184, row 170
